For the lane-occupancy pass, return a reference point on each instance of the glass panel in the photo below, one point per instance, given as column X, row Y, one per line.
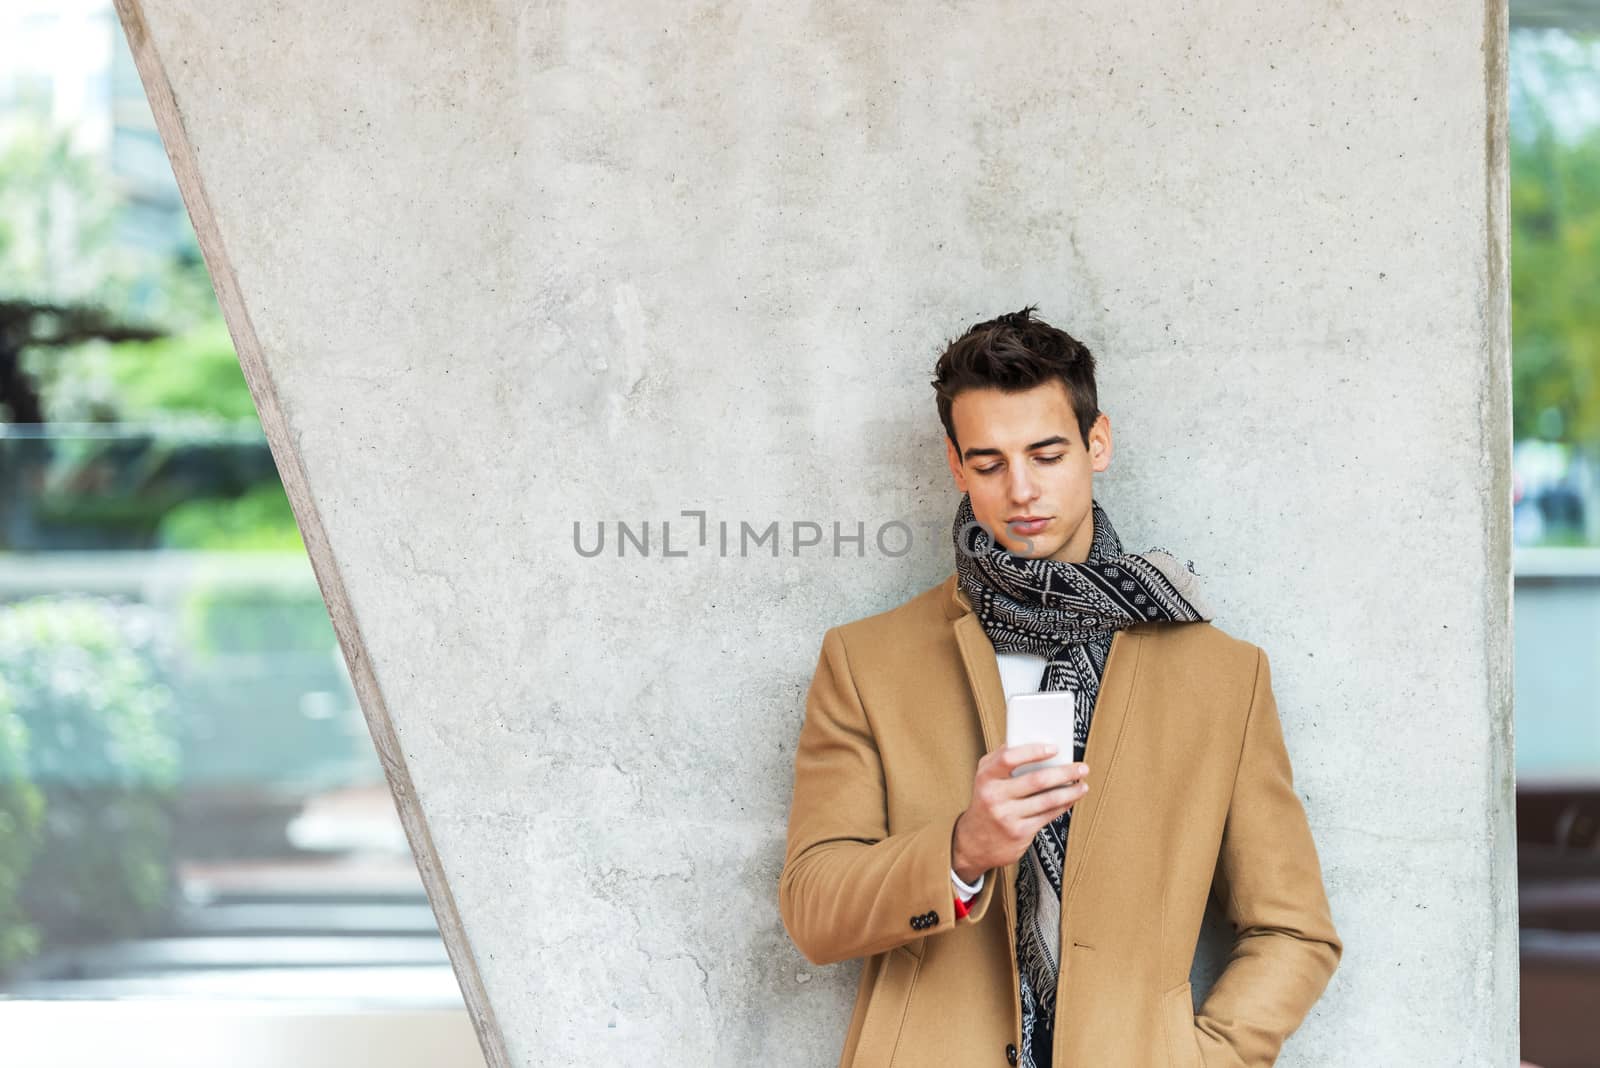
column 190, row 803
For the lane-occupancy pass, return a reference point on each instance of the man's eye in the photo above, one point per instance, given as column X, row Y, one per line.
column 992, row 468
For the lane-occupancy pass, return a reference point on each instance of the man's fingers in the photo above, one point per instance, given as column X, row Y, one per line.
column 1050, row 803
column 1045, row 779
column 1014, row 756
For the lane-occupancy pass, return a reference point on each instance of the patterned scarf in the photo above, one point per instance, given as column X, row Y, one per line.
column 1068, row 614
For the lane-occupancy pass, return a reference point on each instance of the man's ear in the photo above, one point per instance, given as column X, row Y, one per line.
column 1100, row 444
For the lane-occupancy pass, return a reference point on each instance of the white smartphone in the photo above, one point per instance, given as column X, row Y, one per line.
column 1041, row 717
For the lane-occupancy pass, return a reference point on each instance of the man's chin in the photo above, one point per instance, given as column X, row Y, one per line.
column 1033, row 548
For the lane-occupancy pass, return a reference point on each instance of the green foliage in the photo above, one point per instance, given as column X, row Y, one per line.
column 59, row 215
column 57, row 210
column 152, row 485
column 1555, row 239
column 260, row 520
column 102, row 748
column 265, row 694
column 21, row 831
column 193, row 373
column 225, row 614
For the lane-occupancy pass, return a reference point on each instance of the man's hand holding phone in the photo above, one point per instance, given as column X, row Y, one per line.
column 1007, row 812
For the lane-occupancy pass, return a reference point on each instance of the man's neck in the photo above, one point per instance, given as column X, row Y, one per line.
column 1075, row 550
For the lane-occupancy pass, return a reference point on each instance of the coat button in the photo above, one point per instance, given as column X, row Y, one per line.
column 1011, row 1053
column 914, row 923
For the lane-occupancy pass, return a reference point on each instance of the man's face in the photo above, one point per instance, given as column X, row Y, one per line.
column 1028, row 471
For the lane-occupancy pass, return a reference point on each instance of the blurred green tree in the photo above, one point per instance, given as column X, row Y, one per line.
column 1555, row 239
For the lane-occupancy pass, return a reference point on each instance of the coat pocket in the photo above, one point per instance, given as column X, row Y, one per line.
column 886, row 1011
column 1183, row 1045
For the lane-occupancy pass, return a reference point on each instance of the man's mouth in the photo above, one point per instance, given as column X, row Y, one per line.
column 1024, row 525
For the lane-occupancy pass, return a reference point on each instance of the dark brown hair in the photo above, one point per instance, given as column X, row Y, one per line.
column 1016, row 352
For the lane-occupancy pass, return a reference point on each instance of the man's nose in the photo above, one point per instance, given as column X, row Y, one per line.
column 1022, row 486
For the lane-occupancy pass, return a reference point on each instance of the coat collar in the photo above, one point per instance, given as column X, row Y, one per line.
column 1111, row 712
column 955, row 598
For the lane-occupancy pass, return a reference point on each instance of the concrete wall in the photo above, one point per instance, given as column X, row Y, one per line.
column 495, row 269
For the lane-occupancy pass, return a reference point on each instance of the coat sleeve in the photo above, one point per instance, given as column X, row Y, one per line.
column 849, row 888
column 1269, row 880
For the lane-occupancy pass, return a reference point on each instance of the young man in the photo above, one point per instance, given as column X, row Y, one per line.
column 906, row 823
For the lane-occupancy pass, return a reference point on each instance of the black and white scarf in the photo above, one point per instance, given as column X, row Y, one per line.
column 1068, row 614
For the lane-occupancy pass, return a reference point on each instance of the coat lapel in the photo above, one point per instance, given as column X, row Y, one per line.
column 1112, row 706
column 1111, row 711
column 983, row 678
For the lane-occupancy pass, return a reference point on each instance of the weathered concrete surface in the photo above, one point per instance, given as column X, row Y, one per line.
column 496, row 269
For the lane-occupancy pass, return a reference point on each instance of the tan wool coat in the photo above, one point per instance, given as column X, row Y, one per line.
column 1190, row 795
